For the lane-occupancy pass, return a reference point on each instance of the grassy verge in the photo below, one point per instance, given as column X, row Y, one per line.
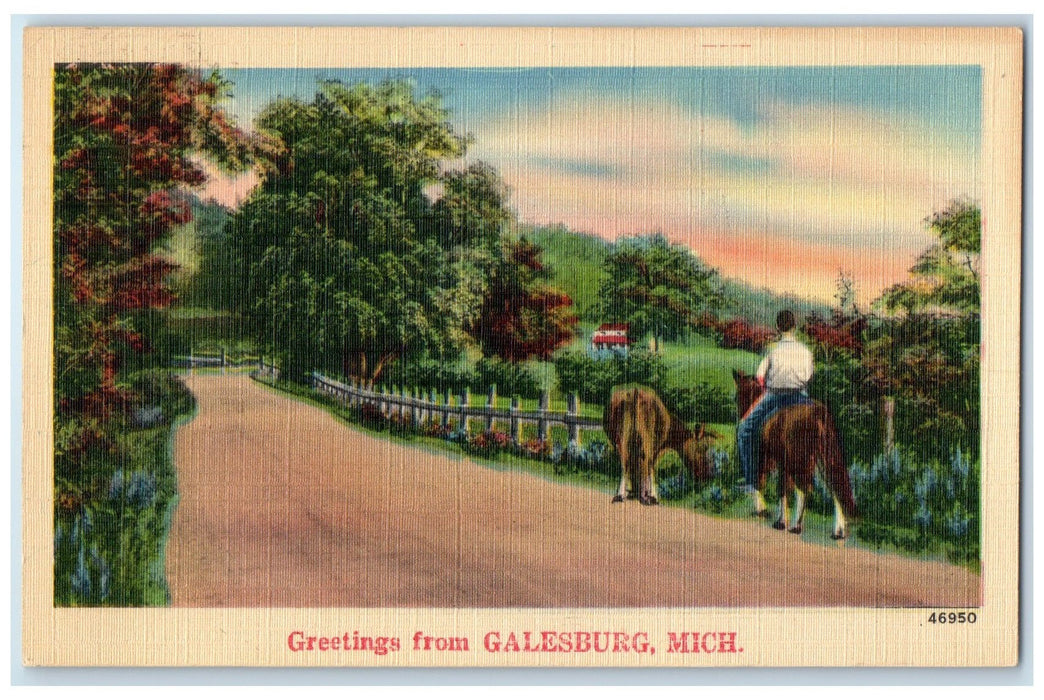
column 109, row 550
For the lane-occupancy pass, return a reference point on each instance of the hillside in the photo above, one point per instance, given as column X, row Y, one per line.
column 576, row 260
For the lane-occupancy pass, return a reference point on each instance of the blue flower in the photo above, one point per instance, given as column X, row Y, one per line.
column 925, row 484
column 116, row 485
column 960, row 464
column 139, row 490
column 102, row 567
column 720, row 459
column 958, row 521
column 142, row 489
column 81, row 577
column 923, row 516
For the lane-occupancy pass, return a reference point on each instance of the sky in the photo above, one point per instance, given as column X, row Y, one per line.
column 781, row 177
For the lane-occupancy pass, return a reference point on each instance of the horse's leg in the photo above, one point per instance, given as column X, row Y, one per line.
column 784, row 487
column 760, row 507
column 654, row 493
column 803, row 484
column 840, row 525
column 625, row 473
column 648, row 485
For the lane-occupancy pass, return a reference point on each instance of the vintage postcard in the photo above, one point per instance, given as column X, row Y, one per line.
column 473, row 347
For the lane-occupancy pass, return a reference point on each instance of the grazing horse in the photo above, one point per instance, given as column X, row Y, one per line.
column 641, row 429
column 794, row 441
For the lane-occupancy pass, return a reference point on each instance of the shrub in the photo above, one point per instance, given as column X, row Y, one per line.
column 700, row 403
column 432, row 374
column 726, row 487
column 369, row 415
column 593, row 379
column 740, row 334
column 510, row 378
column 487, row 444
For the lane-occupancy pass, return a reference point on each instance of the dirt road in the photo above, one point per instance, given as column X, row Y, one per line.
column 282, row 505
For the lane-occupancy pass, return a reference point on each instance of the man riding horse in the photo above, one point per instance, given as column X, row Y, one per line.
column 784, row 374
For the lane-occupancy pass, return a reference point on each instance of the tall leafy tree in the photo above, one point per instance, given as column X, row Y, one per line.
column 946, row 275
column 657, row 287
column 128, row 139
column 340, row 247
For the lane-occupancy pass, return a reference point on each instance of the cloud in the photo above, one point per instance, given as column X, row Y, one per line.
column 822, row 182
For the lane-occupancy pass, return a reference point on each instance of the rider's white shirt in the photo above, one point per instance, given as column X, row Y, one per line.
column 788, row 364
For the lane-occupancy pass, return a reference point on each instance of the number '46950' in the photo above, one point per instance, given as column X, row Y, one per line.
column 952, row 618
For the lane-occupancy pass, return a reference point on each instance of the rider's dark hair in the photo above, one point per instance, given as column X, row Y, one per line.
column 785, row 321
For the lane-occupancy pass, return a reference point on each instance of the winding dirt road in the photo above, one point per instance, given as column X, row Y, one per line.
column 283, row 506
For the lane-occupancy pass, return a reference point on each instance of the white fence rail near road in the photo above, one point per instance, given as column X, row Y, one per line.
column 421, row 408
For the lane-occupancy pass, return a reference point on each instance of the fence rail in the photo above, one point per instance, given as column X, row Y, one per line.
column 424, row 407
column 221, row 361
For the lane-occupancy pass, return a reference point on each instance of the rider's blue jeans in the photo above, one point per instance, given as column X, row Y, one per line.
column 748, row 433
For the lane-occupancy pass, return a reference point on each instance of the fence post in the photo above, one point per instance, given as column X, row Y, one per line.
column 222, row 360
column 465, row 399
column 491, row 401
column 446, row 410
column 574, row 425
column 888, row 416
column 542, row 424
column 516, row 424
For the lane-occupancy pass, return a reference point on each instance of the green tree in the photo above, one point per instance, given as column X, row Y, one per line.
column 927, row 356
column 656, row 287
column 345, row 257
column 946, row 275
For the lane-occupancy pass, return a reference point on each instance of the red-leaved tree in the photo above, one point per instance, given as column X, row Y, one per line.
column 128, row 139
column 522, row 316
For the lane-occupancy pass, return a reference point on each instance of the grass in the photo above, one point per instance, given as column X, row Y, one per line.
column 702, row 361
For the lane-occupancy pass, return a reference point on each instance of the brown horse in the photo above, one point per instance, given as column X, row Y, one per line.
column 642, row 429
column 794, row 441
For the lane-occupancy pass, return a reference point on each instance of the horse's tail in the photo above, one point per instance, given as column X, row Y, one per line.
column 834, row 468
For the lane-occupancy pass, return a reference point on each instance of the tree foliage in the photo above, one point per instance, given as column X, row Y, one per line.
column 946, row 275
column 657, row 288
column 350, row 264
column 337, row 247
column 924, row 360
column 128, row 139
column 522, row 316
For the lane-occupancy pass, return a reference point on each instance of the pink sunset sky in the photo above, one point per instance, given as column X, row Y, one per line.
column 781, row 178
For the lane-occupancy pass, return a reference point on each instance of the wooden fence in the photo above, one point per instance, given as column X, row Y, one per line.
column 421, row 407
column 266, row 370
column 219, row 361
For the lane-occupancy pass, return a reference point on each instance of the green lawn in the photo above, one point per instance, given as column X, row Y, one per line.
column 702, row 361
